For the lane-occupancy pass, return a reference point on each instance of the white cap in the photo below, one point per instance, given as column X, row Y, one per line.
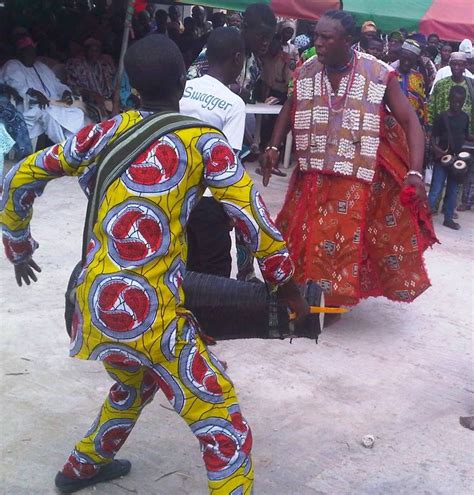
column 465, row 46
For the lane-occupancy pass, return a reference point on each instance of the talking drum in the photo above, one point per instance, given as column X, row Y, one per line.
column 232, row 309
column 461, row 166
column 447, row 160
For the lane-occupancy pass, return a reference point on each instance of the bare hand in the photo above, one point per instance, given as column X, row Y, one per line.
column 43, row 102
column 67, row 98
column 291, row 296
column 418, row 184
column 272, row 100
column 24, row 272
column 268, row 162
column 12, row 93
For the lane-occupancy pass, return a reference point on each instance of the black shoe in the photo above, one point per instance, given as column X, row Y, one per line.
column 278, row 172
column 451, row 224
column 110, row 471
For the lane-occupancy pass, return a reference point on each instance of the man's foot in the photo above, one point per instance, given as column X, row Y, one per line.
column 451, row 224
column 278, row 172
column 463, row 207
column 110, row 471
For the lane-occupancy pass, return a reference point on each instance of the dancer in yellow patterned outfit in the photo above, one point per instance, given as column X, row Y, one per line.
column 129, row 311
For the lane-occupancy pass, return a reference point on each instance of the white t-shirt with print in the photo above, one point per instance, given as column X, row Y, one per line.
column 209, row 100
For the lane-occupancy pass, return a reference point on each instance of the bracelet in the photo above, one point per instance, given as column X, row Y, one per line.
column 274, row 148
column 415, row 173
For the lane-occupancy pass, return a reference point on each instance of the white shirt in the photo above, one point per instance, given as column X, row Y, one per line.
column 39, row 77
column 209, row 100
column 445, row 72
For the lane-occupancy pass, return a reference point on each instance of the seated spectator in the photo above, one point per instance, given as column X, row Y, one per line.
column 92, row 76
column 375, row 47
column 46, row 100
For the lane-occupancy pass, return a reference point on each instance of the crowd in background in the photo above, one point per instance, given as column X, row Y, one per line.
column 71, row 52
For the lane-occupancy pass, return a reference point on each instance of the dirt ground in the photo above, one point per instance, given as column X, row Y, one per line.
column 402, row 373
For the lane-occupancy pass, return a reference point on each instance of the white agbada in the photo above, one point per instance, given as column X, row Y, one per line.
column 57, row 121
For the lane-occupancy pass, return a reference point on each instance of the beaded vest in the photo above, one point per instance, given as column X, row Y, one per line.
column 339, row 134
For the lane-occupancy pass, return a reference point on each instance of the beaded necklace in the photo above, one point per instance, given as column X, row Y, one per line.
column 328, row 88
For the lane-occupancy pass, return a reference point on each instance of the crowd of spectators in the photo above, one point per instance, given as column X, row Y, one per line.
column 58, row 66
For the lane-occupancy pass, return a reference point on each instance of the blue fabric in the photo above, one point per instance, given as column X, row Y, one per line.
column 440, row 176
column 15, row 126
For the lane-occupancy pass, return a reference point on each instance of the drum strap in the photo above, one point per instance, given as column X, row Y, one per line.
column 448, row 128
column 120, row 154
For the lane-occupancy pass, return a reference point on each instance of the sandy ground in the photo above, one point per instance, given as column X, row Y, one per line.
column 402, row 373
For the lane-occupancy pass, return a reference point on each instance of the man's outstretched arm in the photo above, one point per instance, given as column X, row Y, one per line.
column 27, row 180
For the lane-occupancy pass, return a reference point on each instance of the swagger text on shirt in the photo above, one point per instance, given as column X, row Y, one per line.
column 209, row 102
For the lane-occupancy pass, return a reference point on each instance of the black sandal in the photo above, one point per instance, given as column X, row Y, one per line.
column 110, row 471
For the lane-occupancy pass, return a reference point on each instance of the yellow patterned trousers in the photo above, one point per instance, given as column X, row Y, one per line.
column 200, row 392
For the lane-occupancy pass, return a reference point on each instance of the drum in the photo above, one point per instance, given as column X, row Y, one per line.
column 447, row 160
column 231, row 309
column 460, row 169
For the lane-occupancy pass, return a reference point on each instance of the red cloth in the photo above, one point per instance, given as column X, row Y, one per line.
column 357, row 239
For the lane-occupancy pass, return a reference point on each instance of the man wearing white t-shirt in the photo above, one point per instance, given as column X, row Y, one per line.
column 209, row 99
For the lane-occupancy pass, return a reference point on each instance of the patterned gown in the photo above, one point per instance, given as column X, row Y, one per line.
column 129, row 310
column 130, row 288
column 343, row 217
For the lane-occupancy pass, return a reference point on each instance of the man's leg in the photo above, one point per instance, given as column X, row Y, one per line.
column 203, row 395
column 452, row 188
column 437, row 184
column 132, row 390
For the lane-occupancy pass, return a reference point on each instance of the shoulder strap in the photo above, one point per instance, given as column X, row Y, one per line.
column 448, row 128
column 118, row 156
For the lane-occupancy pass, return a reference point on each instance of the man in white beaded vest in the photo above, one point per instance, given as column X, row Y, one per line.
column 355, row 217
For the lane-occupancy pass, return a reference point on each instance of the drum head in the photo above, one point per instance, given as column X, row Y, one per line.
column 460, row 165
column 446, row 159
column 464, row 155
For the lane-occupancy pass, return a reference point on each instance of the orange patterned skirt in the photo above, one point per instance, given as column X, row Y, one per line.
column 357, row 239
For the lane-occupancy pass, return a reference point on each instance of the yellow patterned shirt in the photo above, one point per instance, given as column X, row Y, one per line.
column 129, row 291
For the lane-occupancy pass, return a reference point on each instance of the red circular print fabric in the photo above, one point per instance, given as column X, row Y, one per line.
column 221, row 166
column 138, row 231
column 158, row 169
column 123, row 307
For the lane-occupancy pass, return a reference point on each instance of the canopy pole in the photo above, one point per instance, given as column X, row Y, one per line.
column 120, row 70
